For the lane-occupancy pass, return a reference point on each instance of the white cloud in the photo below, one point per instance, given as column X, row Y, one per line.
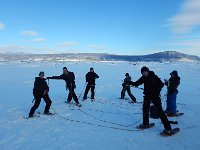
column 97, row 47
column 10, row 48
column 41, row 39
column 2, row 26
column 187, row 19
column 186, row 45
column 68, row 44
column 29, row 33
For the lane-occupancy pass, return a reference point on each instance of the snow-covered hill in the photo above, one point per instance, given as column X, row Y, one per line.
column 76, row 129
column 167, row 56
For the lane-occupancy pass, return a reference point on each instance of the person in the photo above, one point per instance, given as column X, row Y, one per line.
column 40, row 90
column 172, row 91
column 69, row 78
column 91, row 76
column 126, row 87
column 152, row 88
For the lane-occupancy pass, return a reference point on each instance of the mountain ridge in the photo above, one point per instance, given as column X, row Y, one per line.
column 171, row 56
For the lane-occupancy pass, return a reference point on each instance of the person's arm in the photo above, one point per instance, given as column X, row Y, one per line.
column 166, row 82
column 140, row 81
column 56, row 77
column 96, row 76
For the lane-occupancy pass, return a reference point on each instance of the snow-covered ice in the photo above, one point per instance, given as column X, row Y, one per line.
column 56, row 133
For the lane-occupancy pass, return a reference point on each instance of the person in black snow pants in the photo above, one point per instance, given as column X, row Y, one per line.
column 172, row 91
column 40, row 90
column 126, row 87
column 69, row 78
column 90, row 79
column 152, row 88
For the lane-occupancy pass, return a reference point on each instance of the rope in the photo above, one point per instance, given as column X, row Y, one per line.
column 82, row 90
column 107, row 121
column 108, row 112
column 98, row 125
column 115, row 105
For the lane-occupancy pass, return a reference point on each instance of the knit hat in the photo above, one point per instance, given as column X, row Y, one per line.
column 91, row 68
column 41, row 73
column 144, row 68
column 65, row 68
column 175, row 73
column 126, row 74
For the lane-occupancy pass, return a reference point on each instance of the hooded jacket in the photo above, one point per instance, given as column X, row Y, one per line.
column 173, row 82
column 152, row 84
column 40, row 85
column 69, row 78
column 90, row 77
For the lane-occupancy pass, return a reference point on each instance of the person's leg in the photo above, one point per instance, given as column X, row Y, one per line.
column 92, row 91
column 48, row 103
column 123, row 93
column 146, row 107
column 86, row 91
column 173, row 103
column 69, row 97
column 75, row 97
column 162, row 115
column 131, row 95
column 168, row 104
column 35, row 106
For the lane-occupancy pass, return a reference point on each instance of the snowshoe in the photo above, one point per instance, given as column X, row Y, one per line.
column 173, row 122
column 49, row 113
column 78, row 104
column 30, row 117
column 132, row 102
column 145, row 126
column 174, row 115
column 170, row 132
column 68, row 102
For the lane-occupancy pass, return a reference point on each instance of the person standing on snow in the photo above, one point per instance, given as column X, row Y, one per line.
column 91, row 76
column 172, row 85
column 126, row 87
column 40, row 90
column 69, row 78
column 152, row 88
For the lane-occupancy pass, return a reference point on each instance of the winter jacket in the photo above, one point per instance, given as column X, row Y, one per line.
column 40, row 85
column 90, row 78
column 127, row 81
column 173, row 84
column 152, row 84
column 69, row 78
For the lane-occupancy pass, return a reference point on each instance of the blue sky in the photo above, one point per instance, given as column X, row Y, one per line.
column 129, row 27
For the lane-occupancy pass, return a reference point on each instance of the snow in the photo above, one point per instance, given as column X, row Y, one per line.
column 58, row 133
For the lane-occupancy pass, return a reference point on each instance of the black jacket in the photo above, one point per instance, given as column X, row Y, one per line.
column 90, row 77
column 127, row 82
column 152, row 84
column 173, row 84
column 40, row 85
column 69, row 78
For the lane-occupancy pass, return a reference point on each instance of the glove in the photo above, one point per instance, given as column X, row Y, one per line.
column 123, row 84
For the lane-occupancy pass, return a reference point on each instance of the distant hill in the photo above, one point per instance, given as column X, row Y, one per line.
column 169, row 56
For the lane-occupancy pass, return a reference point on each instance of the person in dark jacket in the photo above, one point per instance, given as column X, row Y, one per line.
column 172, row 91
column 69, row 78
column 126, row 87
column 91, row 76
column 40, row 90
column 152, row 88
